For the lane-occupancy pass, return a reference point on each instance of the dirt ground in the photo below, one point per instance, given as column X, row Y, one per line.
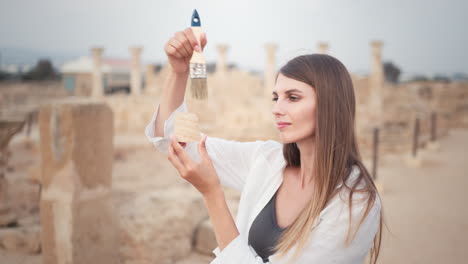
column 424, row 207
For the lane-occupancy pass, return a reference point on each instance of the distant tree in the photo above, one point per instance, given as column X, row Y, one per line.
column 460, row 76
column 4, row 75
column 441, row 78
column 42, row 71
column 391, row 72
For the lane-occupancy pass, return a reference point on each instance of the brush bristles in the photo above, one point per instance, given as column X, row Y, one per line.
column 198, row 88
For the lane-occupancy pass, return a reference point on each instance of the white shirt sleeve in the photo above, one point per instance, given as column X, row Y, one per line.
column 232, row 160
column 326, row 241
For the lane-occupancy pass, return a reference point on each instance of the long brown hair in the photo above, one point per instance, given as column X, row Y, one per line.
column 335, row 145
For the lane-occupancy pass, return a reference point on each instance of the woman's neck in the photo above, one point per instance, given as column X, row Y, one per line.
column 307, row 153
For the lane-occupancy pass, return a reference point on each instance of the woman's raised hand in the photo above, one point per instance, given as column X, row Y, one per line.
column 180, row 47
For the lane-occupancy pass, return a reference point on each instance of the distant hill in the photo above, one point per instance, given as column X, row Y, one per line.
column 25, row 56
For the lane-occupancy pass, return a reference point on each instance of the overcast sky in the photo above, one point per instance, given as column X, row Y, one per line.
column 420, row 36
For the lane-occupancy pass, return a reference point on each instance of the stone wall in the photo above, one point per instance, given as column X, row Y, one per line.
column 131, row 112
column 19, row 98
column 236, row 108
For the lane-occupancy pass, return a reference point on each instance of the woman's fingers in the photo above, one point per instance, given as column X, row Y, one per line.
column 183, row 43
column 172, row 48
column 187, row 47
column 181, row 154
column 191, row 37
column 202, row 147
column 172, row 157
column 203, row 40
column 179, row 46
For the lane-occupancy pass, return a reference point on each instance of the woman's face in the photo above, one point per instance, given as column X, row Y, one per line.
column 295, row 103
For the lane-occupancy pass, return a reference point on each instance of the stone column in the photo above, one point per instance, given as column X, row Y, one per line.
column 78, row 224
column 376, row 84
column 150, row 79
column 97, row 89
column 323, row 48
column 221, row 64
column 270, row 68
column 135, row 75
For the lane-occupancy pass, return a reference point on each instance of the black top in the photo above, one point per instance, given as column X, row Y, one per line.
column 264, row 232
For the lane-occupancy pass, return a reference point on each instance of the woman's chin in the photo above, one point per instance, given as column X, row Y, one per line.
column 284, row 140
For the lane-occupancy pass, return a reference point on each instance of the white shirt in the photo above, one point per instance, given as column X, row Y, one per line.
column 256, row 170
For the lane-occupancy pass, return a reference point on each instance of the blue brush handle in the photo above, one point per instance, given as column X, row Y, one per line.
column 195, row 22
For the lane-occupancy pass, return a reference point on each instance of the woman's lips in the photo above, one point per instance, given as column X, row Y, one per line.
column 280, row 126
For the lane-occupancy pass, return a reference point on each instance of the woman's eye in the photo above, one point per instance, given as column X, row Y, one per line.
column 293, row 98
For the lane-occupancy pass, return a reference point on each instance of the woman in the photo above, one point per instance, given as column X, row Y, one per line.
column 308, row 199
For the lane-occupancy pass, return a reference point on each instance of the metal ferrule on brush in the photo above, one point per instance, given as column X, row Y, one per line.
column 197, row 70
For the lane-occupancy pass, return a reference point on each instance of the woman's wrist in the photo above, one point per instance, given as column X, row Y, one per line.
column 179, row 74
column 174, row 88
column 214, row 194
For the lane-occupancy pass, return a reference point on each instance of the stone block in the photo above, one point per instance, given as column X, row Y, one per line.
column 80, row 132
column 34, row 174
column 76, row 209
column 24, row 240
column 205, row 239
column 7, row 217
column 158, row 227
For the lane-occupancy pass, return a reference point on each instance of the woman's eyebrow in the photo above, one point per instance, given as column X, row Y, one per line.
column 289, row 91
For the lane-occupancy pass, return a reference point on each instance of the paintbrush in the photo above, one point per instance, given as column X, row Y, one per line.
column 198, row 86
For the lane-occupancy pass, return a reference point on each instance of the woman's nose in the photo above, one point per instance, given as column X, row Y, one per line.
column 277, row 109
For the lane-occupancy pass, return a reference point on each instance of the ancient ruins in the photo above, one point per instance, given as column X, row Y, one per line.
column 93, row 190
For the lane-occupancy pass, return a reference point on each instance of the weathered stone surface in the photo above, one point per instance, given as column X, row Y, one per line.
column 29, row 220
column 8, row 128
column 22, row 240
column 77, row 215
column 158, row 227
column 205, row 239
column 7, row 217
column 34, row 174
column 78, row 132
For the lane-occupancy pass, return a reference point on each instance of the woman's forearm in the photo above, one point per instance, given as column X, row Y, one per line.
column 224, row 226
column 172, row 96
